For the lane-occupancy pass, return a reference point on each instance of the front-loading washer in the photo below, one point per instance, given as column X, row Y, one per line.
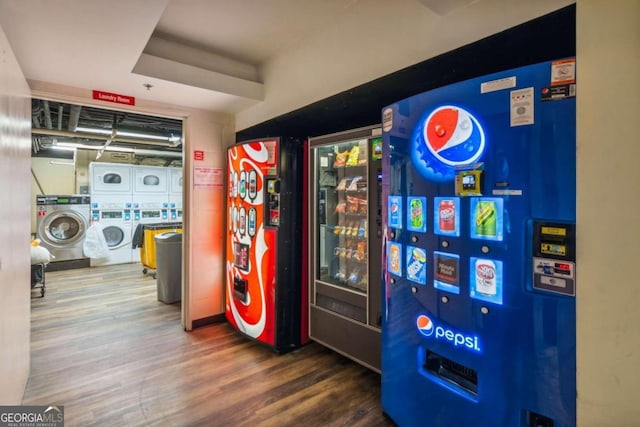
column 114, row 215
column 62, row 223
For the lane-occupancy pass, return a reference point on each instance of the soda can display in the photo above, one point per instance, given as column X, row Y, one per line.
column 486, row 277
column 242, row 226
column 486, row 218
column 253, row 186
column 447, row 215
column 395, row 259
column 395, row 211
column 252, row 222
column 486, row 280
column 243, row 184
column 485, row 215
column 416, row 218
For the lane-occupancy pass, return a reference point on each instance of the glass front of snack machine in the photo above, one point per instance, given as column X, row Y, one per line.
column 345, row 282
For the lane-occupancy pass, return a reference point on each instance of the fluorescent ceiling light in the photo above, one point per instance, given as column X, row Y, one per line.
column 129, row 134
column 73, row 146
column 142, row 135
column 63, row 148
column 94, row 130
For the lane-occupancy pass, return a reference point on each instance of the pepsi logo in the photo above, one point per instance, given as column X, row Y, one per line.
column 425, row 325
column 457, row 339
column 453, row 136
column 450, row 136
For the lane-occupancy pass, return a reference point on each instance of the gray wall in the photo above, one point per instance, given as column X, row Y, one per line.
column 15, row 192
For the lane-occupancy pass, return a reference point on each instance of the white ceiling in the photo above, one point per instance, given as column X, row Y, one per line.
column 207, row 54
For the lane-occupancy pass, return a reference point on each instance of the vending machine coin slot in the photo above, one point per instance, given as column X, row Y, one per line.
column 273, row 202
column 554, row 255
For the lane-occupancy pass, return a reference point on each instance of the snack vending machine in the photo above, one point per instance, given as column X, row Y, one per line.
column 479, row 272
column 345, row 241
column 265, row 287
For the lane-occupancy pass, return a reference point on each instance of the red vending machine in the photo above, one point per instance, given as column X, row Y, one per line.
column 266, row 294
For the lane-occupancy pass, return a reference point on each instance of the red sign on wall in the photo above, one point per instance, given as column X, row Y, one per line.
column 114, row 97
column 198, row 155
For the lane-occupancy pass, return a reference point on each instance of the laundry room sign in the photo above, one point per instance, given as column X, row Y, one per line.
column 114, row 97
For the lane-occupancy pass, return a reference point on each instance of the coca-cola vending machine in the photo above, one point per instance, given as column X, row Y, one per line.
column 266, row 292
column 479, row 210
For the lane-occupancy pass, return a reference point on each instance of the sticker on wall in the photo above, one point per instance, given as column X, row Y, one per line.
column 395, row 211
column 486, row 280
column 417, row 214
column 446, row 216
column 394, row 259
column 486, row 218
column 446, row 272
column 417, row 265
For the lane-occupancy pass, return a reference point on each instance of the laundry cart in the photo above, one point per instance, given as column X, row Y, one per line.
column 148, row 243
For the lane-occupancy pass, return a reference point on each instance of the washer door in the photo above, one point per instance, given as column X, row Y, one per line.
column 114, row 236
column 63, row 228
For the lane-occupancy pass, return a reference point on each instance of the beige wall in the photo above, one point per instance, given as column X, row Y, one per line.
column 15, row 153
column 56, row 176
column 204, row 218
column 374, row 38
column 608, row 225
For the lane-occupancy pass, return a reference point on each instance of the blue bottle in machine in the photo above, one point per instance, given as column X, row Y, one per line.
column 479, row 322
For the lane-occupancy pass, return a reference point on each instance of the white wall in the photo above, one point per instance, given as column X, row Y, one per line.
column 374, row 38
column 204, row 218
column 15, row 152
column 608, row 224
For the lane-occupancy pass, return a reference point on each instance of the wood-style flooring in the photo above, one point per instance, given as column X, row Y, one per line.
column 106, row 349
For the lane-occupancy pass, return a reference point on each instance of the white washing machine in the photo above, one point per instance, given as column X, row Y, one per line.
column 150, row 180
column 175, row 195
column 147, row 209
column 62, row 223
column 114, row 213
column 110, row 178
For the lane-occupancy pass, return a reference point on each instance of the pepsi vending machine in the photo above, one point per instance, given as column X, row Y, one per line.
column 265, row 291
column 479, row 323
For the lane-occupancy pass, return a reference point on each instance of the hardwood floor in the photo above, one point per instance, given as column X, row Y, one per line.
column 106, row 349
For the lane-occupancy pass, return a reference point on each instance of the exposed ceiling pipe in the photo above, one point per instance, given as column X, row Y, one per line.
column 74, row 117
column 47, row 115
column 53, row 132
column 60, row 113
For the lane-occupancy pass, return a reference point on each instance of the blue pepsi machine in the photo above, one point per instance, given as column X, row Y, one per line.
column 479, row 210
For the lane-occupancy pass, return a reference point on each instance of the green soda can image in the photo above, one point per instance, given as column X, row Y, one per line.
column 486, row 218
column 416, row 211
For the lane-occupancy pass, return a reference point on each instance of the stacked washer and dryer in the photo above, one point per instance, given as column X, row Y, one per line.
column 150, row 198
column 111, row 206
column 124, row 196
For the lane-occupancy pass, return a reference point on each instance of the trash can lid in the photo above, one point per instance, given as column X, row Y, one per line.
column 169, row 236
column 160, row 226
